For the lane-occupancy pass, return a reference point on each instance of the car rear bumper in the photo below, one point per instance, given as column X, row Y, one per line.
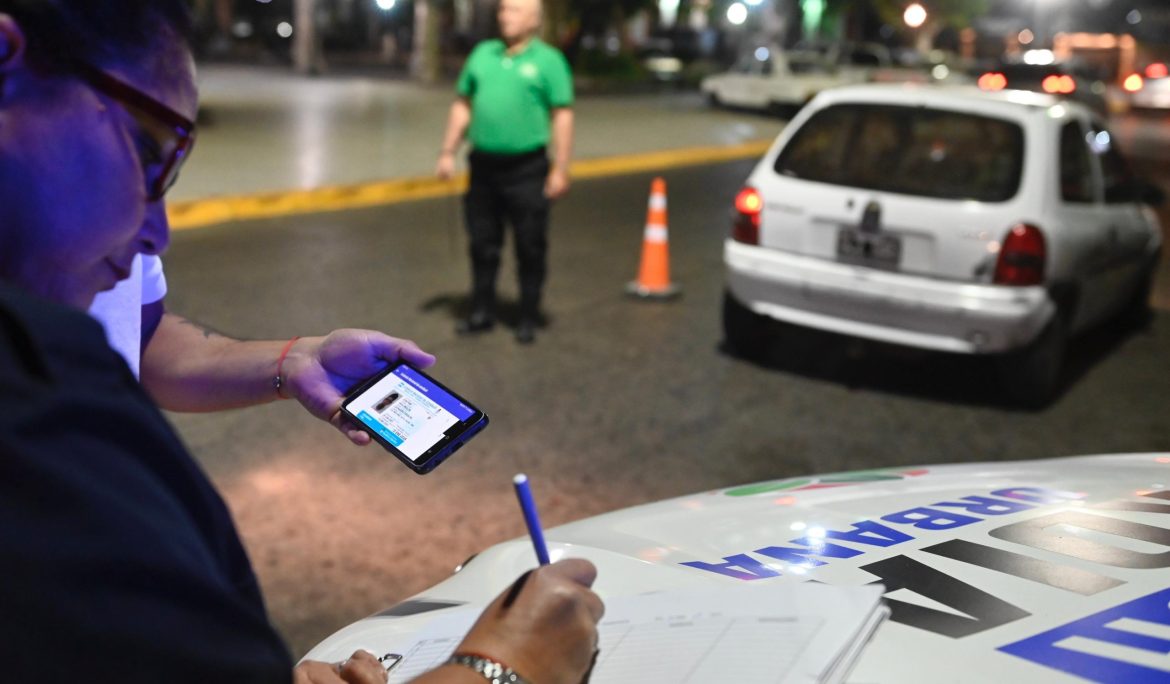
column 910, row 310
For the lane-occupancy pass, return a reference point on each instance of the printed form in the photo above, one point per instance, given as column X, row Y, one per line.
column 782, row 633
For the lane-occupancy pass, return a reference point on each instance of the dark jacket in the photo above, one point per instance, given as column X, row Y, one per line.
column 118, row 559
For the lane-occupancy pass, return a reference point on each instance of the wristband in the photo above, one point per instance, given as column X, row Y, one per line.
column 278, row 381
column 491, row 670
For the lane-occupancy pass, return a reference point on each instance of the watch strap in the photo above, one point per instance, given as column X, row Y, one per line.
column 491, row 670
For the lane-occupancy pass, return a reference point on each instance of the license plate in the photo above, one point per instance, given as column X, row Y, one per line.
column 868, row 249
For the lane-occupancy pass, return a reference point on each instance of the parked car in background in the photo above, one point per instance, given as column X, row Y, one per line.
column 1036, row 571
column 773, row 79
column 1059, row 79
column 661, row 64
column 1149, row 89
column 950, row 219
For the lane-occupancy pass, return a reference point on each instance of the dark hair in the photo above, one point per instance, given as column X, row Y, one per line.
column 60, row 32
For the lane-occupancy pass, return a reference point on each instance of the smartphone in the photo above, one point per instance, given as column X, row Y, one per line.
column 413, row 416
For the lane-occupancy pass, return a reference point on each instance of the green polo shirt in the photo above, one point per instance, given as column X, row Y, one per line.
column 512, row 96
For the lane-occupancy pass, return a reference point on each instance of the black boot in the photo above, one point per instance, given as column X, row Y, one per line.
column 526, row 331
column 529, row 318
column 479, row 321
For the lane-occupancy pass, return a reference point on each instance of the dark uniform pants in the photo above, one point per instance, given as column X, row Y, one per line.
column 507, row 188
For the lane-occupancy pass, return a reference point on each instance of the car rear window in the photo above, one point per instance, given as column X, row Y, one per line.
column 908, row 150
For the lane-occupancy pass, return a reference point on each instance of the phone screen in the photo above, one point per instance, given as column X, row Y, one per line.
column 411, row 412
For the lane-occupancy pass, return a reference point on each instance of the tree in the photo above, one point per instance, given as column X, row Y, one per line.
column 940, row 15
column 596, row 17
column 426, row 59
column 307, row 52
column 556, row 21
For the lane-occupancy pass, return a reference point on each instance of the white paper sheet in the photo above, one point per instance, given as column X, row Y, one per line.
column 782, row 632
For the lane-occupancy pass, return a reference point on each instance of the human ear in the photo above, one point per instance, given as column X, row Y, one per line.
column 12, row 43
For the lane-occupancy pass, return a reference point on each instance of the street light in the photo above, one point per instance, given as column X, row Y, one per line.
column 737, row 13
column 914, row 16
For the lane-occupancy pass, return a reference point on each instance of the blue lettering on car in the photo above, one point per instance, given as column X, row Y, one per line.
column 1115, row 645
column 1128, row 642
column 871, row 533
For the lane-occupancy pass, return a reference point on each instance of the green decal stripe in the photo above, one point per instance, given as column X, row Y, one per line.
column 843, row 478
column 861, row 477
column 766, row 487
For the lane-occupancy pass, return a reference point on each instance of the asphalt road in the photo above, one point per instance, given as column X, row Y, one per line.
column 619, row 402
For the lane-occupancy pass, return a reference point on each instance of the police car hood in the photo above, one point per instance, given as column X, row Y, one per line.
column 1041, row 570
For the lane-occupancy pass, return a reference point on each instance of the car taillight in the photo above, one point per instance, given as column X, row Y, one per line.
column 748, row 207
column 1133, row 83
column 1157, row 70
column 1021, row 257
column 993, row 80
column 1057, row 84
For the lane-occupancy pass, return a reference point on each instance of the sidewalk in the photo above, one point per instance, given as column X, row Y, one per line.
column 266, row 130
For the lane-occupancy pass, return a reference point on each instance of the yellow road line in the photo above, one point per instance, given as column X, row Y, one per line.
column 206, row 212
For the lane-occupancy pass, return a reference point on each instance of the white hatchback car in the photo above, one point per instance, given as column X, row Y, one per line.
column 948, row 219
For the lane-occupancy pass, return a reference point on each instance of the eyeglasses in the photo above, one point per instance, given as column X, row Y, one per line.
column 169, row 136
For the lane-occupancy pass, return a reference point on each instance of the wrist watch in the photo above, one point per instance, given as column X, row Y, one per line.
column 492, row 671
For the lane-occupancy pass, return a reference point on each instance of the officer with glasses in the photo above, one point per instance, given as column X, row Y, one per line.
column 119, row 560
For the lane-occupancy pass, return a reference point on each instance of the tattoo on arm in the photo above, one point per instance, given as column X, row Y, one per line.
column 208, row 333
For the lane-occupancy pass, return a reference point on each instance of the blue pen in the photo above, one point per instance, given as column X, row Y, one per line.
column 529, row 507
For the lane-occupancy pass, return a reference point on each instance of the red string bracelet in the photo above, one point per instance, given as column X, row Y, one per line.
column 278, row 381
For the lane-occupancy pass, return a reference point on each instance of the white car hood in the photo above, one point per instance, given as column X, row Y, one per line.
column 1031, row 571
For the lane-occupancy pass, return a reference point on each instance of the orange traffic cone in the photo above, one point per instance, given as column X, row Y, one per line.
column 654, row 273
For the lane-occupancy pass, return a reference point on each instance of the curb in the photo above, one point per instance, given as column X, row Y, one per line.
column 228, row 209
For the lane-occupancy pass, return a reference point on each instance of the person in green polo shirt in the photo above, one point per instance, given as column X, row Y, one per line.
column 514, row 96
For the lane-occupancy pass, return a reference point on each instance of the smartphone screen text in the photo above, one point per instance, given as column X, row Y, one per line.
column 409, row 411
